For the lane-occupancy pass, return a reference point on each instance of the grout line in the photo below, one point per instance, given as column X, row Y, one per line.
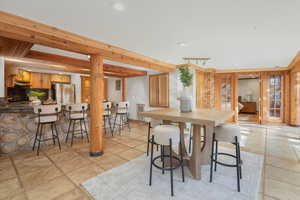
column 65, row 175
column 18, row 177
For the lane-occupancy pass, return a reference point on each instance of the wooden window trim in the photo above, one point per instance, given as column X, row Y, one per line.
column 168, row 91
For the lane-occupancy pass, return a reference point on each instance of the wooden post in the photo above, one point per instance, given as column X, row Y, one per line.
column 97, row 95
column 124, row 95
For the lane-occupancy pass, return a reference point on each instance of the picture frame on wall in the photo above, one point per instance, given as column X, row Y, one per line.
column 118, row 85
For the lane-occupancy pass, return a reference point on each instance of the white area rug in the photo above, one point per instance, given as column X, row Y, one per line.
column 130, row 182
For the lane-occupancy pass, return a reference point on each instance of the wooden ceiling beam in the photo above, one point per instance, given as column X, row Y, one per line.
column 48, row 57
column 19, row 28
column 15, row 48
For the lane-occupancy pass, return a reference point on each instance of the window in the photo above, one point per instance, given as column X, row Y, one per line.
column 226, row 98
column 159, row 90
column 275, row 96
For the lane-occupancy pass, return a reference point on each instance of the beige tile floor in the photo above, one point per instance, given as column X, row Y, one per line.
column 57, row 175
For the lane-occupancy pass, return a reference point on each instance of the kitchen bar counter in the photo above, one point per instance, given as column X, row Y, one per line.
column 16, row 107
column 18, row 127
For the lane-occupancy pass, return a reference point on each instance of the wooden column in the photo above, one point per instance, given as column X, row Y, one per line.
column 124, row 92
column 97, row 95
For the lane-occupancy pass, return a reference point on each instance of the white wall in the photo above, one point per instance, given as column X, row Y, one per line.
column 76, row 80
column 249, row 86
column 112, row 93
column 2, row 84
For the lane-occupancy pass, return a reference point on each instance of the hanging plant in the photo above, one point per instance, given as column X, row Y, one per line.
column 186, row 76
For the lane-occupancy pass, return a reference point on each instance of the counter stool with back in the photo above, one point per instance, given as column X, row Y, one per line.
column 229, row 134
column 77, row 113
column 122, row 113
column 47, row 115
column 166, row 136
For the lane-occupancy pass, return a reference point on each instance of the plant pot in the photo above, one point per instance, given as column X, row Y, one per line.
column 185, row 101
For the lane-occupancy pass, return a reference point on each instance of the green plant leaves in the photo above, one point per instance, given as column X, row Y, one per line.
column 186, row 76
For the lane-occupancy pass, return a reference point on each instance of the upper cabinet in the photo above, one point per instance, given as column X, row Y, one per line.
column 23, row 75
column 60, row 78
column 159, row 90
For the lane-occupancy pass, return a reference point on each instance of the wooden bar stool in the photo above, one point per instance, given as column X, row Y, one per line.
column 230, row 134
column 77, row 113
column 166, row 136
column 107, row 116
column 47, row 115
column 122, row 113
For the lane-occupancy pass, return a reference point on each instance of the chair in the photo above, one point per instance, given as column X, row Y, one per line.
column 107, row 116
column 229, row 134
column 122, row 113
column 151, row 124
column 166, row 136
column 47, row 115
column 77, row 113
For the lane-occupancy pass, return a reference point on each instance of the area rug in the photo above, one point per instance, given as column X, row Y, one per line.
column 130, row 182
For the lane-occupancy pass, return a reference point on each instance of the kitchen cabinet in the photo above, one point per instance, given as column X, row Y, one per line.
column 159, row 90
column 60, row 78
column 86, row 87
column 23, row 75
column 40, row 80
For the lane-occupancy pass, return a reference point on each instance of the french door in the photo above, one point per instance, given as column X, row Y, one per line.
column 226, row 93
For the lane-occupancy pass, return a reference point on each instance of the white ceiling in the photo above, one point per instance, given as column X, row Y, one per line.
column 233, row 33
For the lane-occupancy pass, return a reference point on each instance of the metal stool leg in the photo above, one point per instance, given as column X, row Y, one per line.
column 151, row 159
column 212, row 158
column 73, row 132
column 70, row 123
column 53, row 137
column 36, row 135
column 86, row 131
column 148, row 138
column 81, row 129
column 237, row 164
column 181, row 157
column 240, row 161
column 40, row 137
column 57, row 136
column 171, row 166
column 216, row 154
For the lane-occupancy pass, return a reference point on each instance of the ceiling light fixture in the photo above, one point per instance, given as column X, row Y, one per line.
column 182, row 44
column 118, row 6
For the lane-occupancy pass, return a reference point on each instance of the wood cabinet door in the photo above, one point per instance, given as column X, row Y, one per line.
column 45, row 81
column 23, row 75
column 153, row 90
column 85, row 89
column 36, row 80
column 163, row 90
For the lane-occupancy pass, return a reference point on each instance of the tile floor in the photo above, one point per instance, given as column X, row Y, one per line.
column 57, row 175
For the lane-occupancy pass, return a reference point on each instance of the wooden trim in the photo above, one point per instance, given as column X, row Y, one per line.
column 251, row 70
column 19, row 28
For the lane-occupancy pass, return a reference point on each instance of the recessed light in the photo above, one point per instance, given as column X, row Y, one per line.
column 118, row 6
column 182, row 44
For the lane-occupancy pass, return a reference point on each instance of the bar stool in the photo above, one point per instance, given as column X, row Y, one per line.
column 166, row 136
column 151, row 124
column 47, row 115
column 230, row 134
column 122, row 113
column 107, row 116
column 77, row 113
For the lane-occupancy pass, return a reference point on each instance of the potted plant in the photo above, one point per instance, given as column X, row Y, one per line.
column 35, row 97
column 186, row 78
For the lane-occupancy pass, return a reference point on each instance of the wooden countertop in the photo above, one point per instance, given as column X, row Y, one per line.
column 197, row 116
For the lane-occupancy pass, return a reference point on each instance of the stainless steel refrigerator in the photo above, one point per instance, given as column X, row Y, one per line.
column 64, row 93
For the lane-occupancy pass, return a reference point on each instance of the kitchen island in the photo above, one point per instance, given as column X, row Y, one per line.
column 18, row 127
